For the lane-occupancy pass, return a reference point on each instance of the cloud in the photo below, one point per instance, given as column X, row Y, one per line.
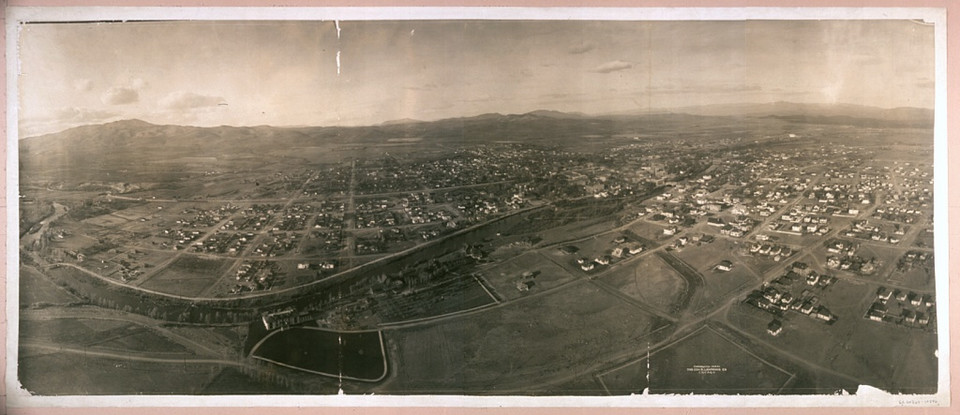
column 62, row 118
column 83, row 85
column 185, row 100
column 925, row 83
column 425, row 87
column 580, row 49
column 612, row 66
column 120, row 96
column 81, row 115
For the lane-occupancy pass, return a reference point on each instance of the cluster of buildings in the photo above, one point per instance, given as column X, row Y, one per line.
column 255, row 276
column 863, row 229
column 277, row 243
column 842, row 255
column 253, row 218
column 781, row 295
column 205, row 218
column 904, row 308
column 776, row 252
column 228, row 243
column 622, row 248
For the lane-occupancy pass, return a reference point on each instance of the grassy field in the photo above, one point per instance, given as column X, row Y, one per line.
column 458, row 294
column 188, row 275
column 718, row 286
column 851, row 344
column 903, row 361
column 73, row 374
column 647, row 230
column 702, row 363
column 231, row 381
column 560, row 334
column 37, row 289
column 504, row 276
column 917, row 279
column 112, row 335
column 108, row 220
column 706, row 256
column 575, row 230
column 649, row 280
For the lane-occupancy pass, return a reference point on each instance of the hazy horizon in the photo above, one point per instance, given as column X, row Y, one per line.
column 357, row 73
column 674, row 110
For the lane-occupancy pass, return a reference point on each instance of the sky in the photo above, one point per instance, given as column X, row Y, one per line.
column 294, row 73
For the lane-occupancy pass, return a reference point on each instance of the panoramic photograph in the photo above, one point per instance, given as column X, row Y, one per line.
column 531, row 208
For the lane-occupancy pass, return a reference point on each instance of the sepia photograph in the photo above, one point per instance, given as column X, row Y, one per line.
column 610, row 205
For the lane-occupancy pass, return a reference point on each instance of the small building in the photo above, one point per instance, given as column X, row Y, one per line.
column 524, row 285
column 569, row 249
column 775, row 327
column 724, row 266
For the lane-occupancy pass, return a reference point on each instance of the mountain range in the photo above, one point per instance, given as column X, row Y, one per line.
column 140, row 139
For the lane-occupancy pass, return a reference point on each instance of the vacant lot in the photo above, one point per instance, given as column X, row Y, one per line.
column 232, row 381
column 706, row 256
column 77, row 374
column 108, row 220
column 576, row 230
column 458, row 294
column 37, row 289
column 702, row 363
column 895, row 358
column 719, row 286
column 188, row 275
column 919, row 278
column 648, row 230
column 504, row 276
column 563, row 333
column 112, row 335
column 878, row 354
column 649, row 280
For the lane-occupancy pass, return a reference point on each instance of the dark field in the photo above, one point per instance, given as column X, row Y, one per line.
column 352, row 355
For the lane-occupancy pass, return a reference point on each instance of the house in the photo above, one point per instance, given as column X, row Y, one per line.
column 909, row 316
column 775, row 327
column 876, row 312
column 824, row 314
column 724, row 266
column 915, row 300
column 524, row 285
